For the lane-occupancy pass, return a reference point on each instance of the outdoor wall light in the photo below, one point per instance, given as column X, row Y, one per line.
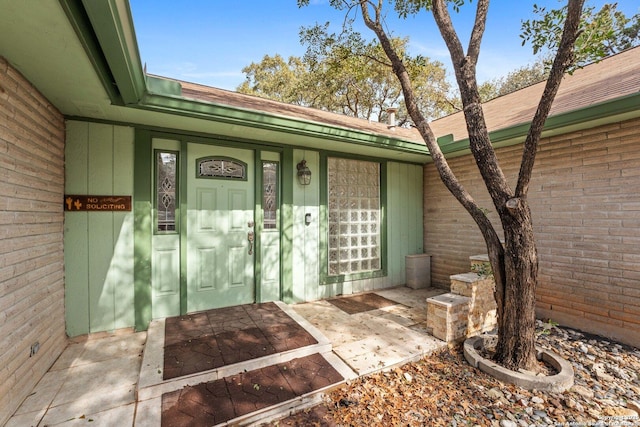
column 304, row 174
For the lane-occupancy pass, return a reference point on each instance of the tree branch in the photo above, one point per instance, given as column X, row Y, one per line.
column 465, row 71
column 473, row 51
column 423, row 127
column 562, row 61
column 447, row 175
column 449, row 35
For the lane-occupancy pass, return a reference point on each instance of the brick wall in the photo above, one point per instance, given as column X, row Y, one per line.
column 585, row 200
column 31, row 236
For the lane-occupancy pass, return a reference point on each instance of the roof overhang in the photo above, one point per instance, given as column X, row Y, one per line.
column 613, row 111
column 601, row 93
column 83, row 56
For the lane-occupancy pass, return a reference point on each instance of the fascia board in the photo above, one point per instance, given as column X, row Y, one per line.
column 238, row 116
column 112, row 24
column 79, row 20
column 514, row 135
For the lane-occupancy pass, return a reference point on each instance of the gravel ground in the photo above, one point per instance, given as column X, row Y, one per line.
column 443, row 390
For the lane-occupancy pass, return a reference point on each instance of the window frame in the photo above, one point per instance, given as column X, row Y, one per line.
column 276, row 228
column 156, row 216
column 325, row 277
column 244, row 166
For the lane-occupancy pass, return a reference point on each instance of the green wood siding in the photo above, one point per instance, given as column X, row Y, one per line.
column 306, row 199
column 142, row 228
column 404, row 217
column 402, row 189
column 286, row 223
column 120, row 275
column 98, row 245
column 75, row 232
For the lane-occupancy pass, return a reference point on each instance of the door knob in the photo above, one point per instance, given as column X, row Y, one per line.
column 250, row 237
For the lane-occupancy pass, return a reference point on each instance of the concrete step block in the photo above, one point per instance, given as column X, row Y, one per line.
column 447, row 316
column 471, row 284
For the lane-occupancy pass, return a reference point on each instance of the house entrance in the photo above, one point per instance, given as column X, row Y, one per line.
column 220, row 227
column 202, row 255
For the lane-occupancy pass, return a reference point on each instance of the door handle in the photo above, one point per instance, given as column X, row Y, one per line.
column 250, row 237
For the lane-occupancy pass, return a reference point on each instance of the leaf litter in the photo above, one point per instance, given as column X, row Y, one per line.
column 442, row 389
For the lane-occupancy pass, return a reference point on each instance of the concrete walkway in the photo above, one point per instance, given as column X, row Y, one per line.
column 116, row 380
column 373, row 340
column 92, row 383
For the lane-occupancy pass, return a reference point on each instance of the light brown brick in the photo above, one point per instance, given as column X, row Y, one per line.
column 586, row 218
column 31, row 224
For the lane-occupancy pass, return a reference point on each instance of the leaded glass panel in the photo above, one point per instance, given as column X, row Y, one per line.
column 219, row 167
column 270, row 194
column 354, row 201
column 166, row 189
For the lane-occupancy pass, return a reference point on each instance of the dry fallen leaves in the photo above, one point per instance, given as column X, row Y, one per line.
column 437, row 390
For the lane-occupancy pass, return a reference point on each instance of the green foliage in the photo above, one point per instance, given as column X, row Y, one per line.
column 359, row 81
column 489, row 90
column 629, row 32
column 483, row 270
column 344, row 73
column 412, row 7
column 522, row 77
column 602, row 33
column 547, row 327
column 274, row 78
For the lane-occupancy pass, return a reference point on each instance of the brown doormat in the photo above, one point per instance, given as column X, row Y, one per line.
column 207, row 340
column 361, row 303
column 222, row 400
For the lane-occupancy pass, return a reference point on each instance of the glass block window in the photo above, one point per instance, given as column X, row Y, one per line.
column 354, row 216
column 166, row 189
column 219, row 167
column 270, row 194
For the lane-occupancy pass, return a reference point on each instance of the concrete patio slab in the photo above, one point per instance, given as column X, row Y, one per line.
column 93, row 379
column 377, row 339
column 109, row 380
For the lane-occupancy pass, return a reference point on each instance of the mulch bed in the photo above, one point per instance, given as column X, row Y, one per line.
column 437, row 391
column 222, row 400
column 207, row 340
column 361, row 303
column 442, row 389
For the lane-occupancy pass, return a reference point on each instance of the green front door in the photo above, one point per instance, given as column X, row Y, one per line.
column 220, row 224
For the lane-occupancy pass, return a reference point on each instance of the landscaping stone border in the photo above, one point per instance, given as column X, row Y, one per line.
column 558, row 383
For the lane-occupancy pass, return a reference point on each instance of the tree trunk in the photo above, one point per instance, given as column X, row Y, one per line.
column 515, row 267
column 516, row 341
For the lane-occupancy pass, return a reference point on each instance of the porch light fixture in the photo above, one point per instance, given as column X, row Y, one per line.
column 304, row 174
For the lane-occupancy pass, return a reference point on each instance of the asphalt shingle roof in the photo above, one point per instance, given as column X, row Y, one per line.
column 254, row 103
column 613, row 77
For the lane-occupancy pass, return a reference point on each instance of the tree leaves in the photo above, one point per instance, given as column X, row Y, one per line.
column 388, row 398
column 274, row 78
column 519, row 78
column 602, row 33
column 411, row 7
column 344, row 73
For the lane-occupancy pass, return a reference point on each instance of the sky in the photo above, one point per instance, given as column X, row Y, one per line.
column 210, row 41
